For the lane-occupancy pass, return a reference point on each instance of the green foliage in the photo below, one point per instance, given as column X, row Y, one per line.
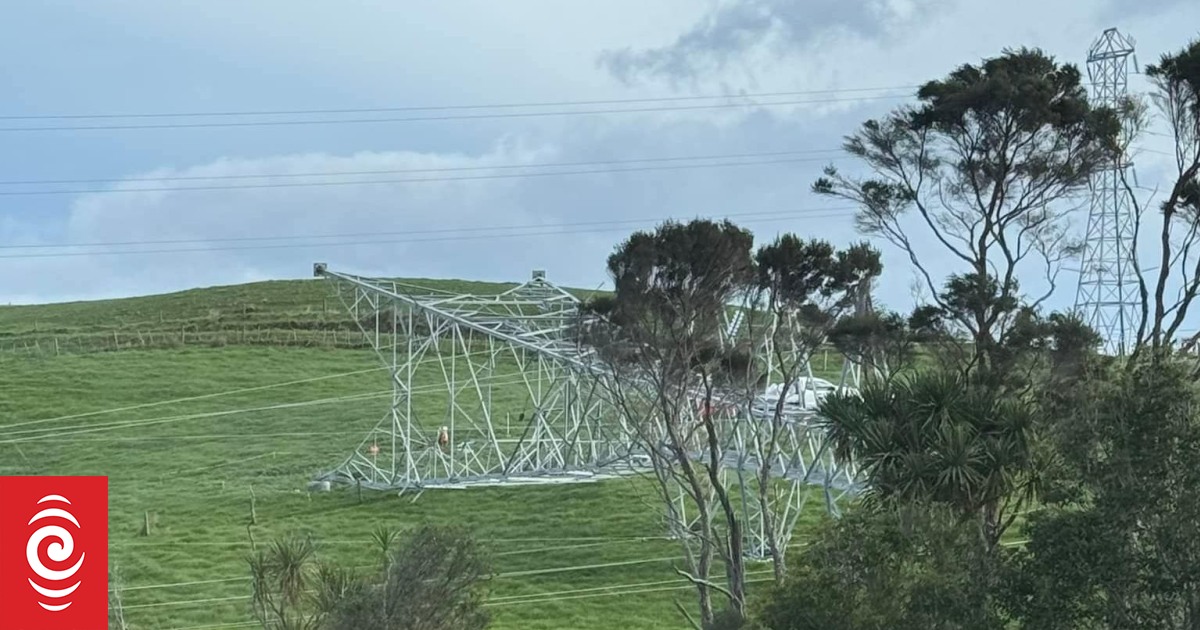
column 918, row 570
column 1178, row 78
column 1026, row 89
column 680, row 276
column 874, row 339
column 982, row 161
column 794, row 273
column 927, row 323
column 1180, row 71
column 433, row 582
column 282, row 583
column 932, row 437
column 975, row 295
column 1123, row 549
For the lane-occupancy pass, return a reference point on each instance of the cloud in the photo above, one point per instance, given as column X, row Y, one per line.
column 788, row 44
column 448, row 229
column 416, row 213
column 776, row 27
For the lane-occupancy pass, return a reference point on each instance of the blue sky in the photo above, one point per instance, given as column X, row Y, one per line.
column 127, row 56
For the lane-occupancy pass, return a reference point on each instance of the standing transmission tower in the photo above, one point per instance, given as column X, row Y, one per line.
column 1107, row 297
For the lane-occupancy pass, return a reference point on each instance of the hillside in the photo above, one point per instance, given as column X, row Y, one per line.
column 274, row 313
column 187, row 434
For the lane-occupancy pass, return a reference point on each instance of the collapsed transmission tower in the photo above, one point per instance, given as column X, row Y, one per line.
column 777, row 430
column 497, row 389
column 454, row 361
column 1107, row 297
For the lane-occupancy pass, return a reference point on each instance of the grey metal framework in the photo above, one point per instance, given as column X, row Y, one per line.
column 761, row 431
column 519, row 401
column 1107, row 296
column 801, row 463
column 463, row 355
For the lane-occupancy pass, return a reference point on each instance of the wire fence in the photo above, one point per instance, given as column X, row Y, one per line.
column 87, row 343
column 47, row 345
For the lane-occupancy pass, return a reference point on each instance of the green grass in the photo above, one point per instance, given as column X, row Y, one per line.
column 194, row 477
column 234, row 305
column 302, row 313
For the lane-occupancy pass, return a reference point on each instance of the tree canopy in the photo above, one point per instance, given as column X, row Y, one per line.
column 982, row 163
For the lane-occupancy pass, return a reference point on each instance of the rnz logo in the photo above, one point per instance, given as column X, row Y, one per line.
column 54, row 552
column 61, row 550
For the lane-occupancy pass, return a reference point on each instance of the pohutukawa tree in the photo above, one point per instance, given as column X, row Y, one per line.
column 802, row 290
column 673, row 286
column 674, row 362
column 981, row 175
column 880, row 342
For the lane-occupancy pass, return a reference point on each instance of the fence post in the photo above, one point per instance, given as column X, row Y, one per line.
column 56, row 345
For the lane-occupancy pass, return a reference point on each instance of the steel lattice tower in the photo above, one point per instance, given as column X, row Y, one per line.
column 456, row 362
column 1107, row 297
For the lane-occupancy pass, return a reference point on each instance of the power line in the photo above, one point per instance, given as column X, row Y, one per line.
column 175, row 401
column 489, row 229
column 351, row 121
column 128, row 424
column 417, row 108
column 414, row 180
column 56, row 432
column 373, row 242
column 536, row 600
column 122, row 180
column 544, row 571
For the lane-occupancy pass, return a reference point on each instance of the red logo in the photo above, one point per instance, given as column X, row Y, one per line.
column 54, row 553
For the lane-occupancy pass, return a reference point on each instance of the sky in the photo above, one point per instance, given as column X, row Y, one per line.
column 478, row 210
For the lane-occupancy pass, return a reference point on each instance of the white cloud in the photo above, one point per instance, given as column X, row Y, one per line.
column 573, row 255
column 538, row 51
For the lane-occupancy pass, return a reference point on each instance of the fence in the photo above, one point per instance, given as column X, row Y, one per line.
column 85, row 343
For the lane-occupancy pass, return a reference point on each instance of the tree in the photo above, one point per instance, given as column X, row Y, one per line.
column 902, row 570
column 1119, row 545
column 933, row 438
column 672, row 288
column 881, row 342
column 682, row 375
column 1176, row 79
column 803, row 290
column 434, row 581
column 987, row 163
column 282, row 578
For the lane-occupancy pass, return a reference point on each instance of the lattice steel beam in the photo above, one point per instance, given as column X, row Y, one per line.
column 452, row 353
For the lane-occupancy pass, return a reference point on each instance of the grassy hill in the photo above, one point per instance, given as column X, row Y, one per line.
column 275, row 313
column 176, row 399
